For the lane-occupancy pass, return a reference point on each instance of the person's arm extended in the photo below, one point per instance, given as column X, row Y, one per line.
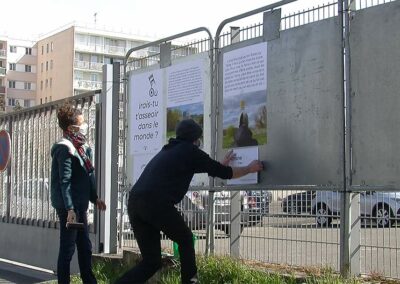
column 253, row 167
column 237, row 172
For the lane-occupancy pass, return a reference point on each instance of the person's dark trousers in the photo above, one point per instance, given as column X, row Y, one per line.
column 148, row 218
column 68, row 239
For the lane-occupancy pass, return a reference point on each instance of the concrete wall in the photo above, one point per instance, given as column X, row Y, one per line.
column 33, row 245
column 375, row 69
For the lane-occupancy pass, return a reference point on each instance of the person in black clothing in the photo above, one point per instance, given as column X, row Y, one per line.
column 163, row 183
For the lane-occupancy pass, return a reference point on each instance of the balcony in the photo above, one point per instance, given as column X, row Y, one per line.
column 106, row 49
column 87, row 85
column 2, row 89
column 2, row 71
column 89, row 48
column 117, row 50
column 86, row 65
column 3, row 53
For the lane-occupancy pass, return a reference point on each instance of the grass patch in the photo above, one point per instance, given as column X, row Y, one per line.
column 223, row 270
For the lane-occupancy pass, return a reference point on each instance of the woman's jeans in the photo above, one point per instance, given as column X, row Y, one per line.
column 68, row 239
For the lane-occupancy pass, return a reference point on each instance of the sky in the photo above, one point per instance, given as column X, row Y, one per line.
column 27, row 19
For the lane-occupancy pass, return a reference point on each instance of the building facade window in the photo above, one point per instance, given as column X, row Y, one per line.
column 28, row 51
column 47, row 83
column 51, row 64
column 47, row 48
column 45, row 100
column 27, row 103
column 51, row 82
column 13, row 49
column 13, row 66
column 47, row 65
column 28, row 68
column 52, row 46
column 11, row 102
column 41, row 101
column 42, row 49
column 11, row 84
column 27, row 86
column 41, row 67
column 41, row 85
column 93, row 77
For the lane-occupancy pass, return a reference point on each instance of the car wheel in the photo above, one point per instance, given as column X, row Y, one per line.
column 323, row 215
column 383, row 216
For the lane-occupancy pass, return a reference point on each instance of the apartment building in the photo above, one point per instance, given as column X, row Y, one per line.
column 3, row 64
column 70, row 61
column 17, row 73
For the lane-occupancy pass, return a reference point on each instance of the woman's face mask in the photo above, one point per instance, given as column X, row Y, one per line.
column 82, row 129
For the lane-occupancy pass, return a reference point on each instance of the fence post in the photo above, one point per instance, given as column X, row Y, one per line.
column 109, row 156
column 210, row 233
column 349, row 217
column 235, row 215
column 235, row 224
column 8, row 212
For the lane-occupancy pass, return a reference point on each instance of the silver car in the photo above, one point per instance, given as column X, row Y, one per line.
column 194, row 208
column 381, row 207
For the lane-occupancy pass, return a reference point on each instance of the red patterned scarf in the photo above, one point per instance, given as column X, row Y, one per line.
column 78, row 140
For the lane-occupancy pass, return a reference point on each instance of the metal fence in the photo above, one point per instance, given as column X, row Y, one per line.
column 298, row 227
column 25, row 185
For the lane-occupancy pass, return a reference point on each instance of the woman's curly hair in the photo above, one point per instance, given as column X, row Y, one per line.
column 67, row 115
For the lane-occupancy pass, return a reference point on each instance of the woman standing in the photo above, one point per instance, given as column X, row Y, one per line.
column 72, row 187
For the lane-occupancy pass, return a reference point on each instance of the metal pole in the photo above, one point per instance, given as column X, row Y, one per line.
column 8, row 212
column 345, row 216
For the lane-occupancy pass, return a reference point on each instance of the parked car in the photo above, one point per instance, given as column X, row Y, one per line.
column 381, row 207
column 298, row 203
column 194, row 208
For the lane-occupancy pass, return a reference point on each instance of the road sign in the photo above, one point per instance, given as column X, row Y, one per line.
column 5, row 149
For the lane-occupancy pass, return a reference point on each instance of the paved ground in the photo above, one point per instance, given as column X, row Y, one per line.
column 10, row 273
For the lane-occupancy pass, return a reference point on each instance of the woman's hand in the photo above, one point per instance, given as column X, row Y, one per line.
column 230, row 156
column 101, row 205
column 71, row 218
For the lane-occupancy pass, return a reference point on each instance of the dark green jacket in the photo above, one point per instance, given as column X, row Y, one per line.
column 72, row 187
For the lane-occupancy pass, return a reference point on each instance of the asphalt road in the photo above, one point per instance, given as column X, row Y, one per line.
column 10, row 273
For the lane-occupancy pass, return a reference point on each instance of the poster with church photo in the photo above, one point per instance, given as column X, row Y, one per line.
column 245, row 96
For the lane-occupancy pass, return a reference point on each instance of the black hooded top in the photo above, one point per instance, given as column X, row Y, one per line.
column 167, row 176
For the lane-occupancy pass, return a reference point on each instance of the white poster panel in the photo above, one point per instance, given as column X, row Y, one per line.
column 245, row 96
column 188, row 95
column 139, row 163
column 185, row 83
column 245, row 70
column 243, row 157
column 147, row 113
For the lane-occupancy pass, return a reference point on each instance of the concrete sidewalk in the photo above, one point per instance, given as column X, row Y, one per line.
column 11, row 273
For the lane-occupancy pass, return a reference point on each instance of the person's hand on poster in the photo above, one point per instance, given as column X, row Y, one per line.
column 229, row 157
column 255, row 166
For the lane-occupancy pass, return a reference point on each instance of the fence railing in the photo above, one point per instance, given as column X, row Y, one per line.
column 25, row 186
